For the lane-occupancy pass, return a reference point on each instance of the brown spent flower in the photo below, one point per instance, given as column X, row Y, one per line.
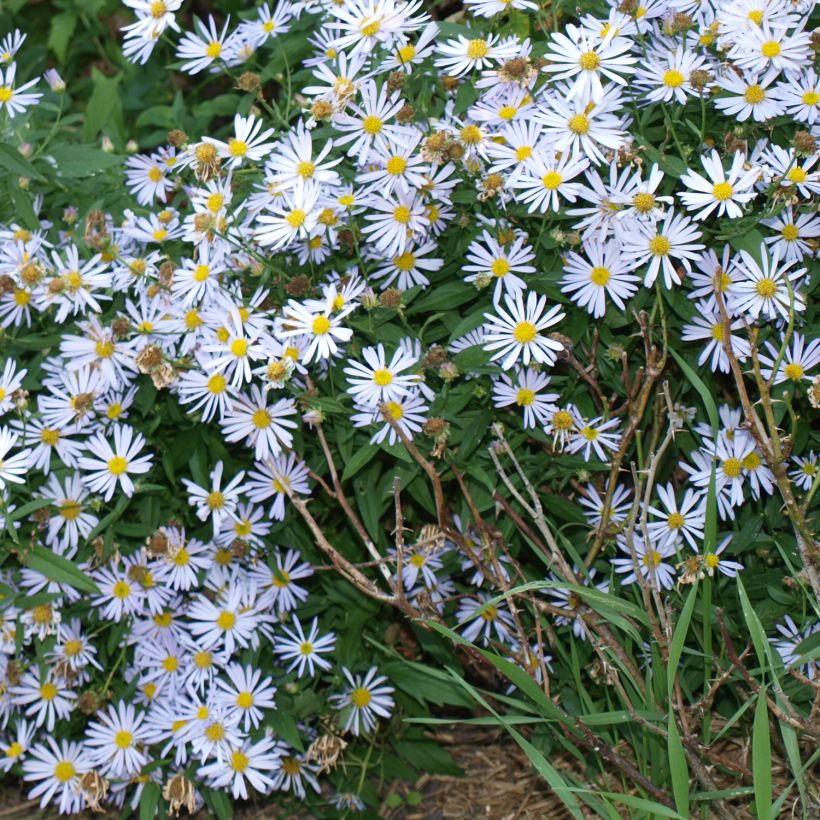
column 94, row 788
column 177, row 138
column 149, row 358
column 248, row 81
column 391, row 298
column 804, row 144
column 325, row 751
column 180, row 793
column 298, row 286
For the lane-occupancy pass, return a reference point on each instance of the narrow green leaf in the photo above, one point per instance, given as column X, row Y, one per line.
column 60, row 569
column 14, row 162
column 679, row 638
column 149, row 800
column 762, row 758
column 678, row 767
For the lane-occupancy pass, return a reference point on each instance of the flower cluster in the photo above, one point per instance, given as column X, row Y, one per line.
column 409, row 234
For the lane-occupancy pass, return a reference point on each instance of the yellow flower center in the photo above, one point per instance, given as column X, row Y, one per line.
column 523, row 152
column 213, row 49
column 239, row 348
column 500, row 267
column 296, row 218
column 72, row 648
column 360, row 697
column 794, row 372
column 579, row 124
column 471, row 135
column 660, row 246
column 105, row 350
column 712, row 560
column 589, row 61
column 215, row 732
column 394, row 410
column 675, row 521
column 476, row 49
column 117, row 465
column 261, row 419
column 371, row 125
column 237, row 148
column 170, row 664
column 216, row 384
column 722, row 191
column 562, row 420
column 524, row 397
column 226, row 620
column 599, row 276
column 754, row 94
column 154, row 174
column 732, row 467
column 64, row 771
column 244, row 700
column 48, row 691
column 406, row 53
column 551, row 180
column 717, row 332
column 306, row 170
column 402, row 214
column 507, row 112
column 770, row 49
column 123, row 739
column 158, row 9
column 21, row 298
column 811, row 98
column 47, row 436
column 6, row 93
column 756, row 16
column 790, row 232
column 653, row 557
column 371, row 29
column 797, row 175
column 643, row 203
column 766, row 288
column 525, row 332
column 405, row 261
column 214, row 202
column 320, row 326
column 239, row 761
column 215, row 500
column 589, row 433
column 673, row 78
column 203, row 659
column 70, row 510
column 382, row 377
column 121, row 590
column 396, row 166
column 14, row 750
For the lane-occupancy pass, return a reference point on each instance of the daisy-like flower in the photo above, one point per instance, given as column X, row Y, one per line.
column 202, row 49
column 601, row 272
column 805, row 471
column 801, row 96
column 376, row 382
column 724, row 191
column 322, row 326
column 109, row 467
column 667, row 75
column 771, row 48
column 406, row 270
column 117, row 740
column 14, row 468
column 16, row 100
column 709, row 326
column 650, row 563
column 407, row 413
column 46, row 697
column 766, row 289
column 485, row 619
column 292, row 164
column 14, row 750
column 273, row 478
column 684, row 520
column 798, row 359
column 278, row 579
column 595, row 434
column 265, row 427
column 146, row 178
column 367, row 698
column 154, row 17
column 462, row 55
column 305, row 652
column 56, row 770
column 395, row 222
column 268, row 24
column 518, row 332
column 750, row 96
column 523, row 389
column 246, row 143
column 73, row 518
column 584, row 59
column 791, row 638
column 796, row 235
column 713, row 561
column 225, row 623
column 289, row 217
column 216, row 502
column 247, row 764
column 595, row 503
column 246, row 691
column 545, row 179
column 490, row 260
column 675, row 237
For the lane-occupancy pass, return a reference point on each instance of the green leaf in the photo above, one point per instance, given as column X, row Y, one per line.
column 678, row 767
column 15, row 163
column 149, row 800
column 32, row 506
column 705, row 392
column 59, row 36
column 762, row 758
column 361, row 458
column 60, row 569
column 81, row 160
column 103, row 105
column 679, row 638
column 220, row 803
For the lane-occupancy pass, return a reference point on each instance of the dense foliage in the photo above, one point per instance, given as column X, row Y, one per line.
column 364, row 369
